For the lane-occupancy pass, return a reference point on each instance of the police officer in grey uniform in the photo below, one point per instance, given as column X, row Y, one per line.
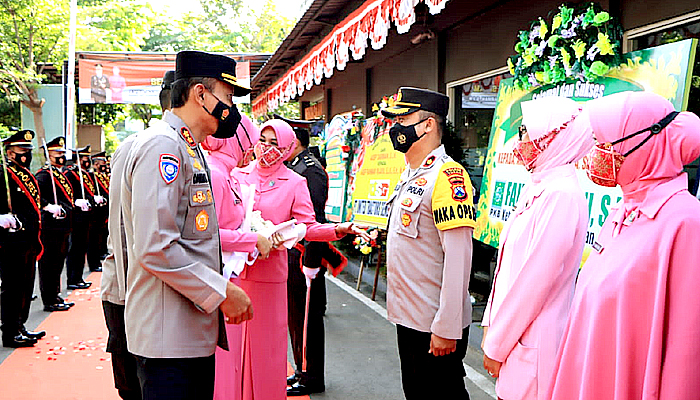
column 312, row 380
column 175, row 292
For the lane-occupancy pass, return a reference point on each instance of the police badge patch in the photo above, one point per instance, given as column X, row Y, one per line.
column 169, row 166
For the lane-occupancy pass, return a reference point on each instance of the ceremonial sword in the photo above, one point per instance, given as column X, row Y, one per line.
column 53, row 184
column 80, row 172
column 7, row 187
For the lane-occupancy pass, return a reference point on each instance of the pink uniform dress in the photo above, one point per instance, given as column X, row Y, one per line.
column 634, row 327
column 280, row 195
column 539, row 255
column 224, row 155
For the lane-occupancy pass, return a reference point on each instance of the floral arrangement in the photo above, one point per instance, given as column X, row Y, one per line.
column 366, row 247
column 582, row 42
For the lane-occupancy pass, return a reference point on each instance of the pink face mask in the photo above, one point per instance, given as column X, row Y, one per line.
column 268, row 154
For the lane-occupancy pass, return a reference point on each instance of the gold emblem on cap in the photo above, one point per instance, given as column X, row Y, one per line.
column 61, row 142
column 27, row 136
column 399, row 95
column 229, row 76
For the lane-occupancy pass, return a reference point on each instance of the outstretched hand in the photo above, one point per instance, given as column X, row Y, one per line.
column 349, row 228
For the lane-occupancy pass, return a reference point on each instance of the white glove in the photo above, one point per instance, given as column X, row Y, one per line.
column 8, row 221
column 83, row 204
column 99, row 199
column 54, row 209
column 309, row 273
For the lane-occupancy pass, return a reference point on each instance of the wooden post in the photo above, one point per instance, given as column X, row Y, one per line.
column 376, row 272
column 359, row 275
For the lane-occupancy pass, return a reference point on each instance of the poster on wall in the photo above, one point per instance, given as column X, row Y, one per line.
column 335, row 167
column 378, row 168
column 665, row 70
column 124, row 81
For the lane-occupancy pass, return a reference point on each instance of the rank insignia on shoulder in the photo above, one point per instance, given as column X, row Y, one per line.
column 429, row 161
column 169, row 166
column 197, row 165
column 202, row 220
column 185, row 133
column 406, row 219
column 191, row 152
column 421, row 182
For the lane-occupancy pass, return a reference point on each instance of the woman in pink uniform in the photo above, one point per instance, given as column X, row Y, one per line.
column 224, row 156
column 540, row 251
column 634, row 327
column 280, row 195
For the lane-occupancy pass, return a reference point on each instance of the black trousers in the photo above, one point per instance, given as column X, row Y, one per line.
column 126, row 380
column 176, row 378
column 51, row 264
column 17, row 272
column 425, row 376
column 75, row 263
column 98, row 237
column 296, row 304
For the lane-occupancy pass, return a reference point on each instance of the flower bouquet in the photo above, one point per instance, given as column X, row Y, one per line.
column 582, row 42
column 366, row 247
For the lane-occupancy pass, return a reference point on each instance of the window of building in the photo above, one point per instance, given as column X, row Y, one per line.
column 670, row 35
column 474, row 104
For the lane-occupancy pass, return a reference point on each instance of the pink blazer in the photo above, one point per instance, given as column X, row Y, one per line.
column 230, row 210
column 540, row 252
column 280, row 197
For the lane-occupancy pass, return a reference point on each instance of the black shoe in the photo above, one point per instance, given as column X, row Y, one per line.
column 57, row 307
column 59, row 300
column 32, row 335
column 292, row 379
column 98, row 269
column 80, row 285
column 302, row 390
column 18, row 341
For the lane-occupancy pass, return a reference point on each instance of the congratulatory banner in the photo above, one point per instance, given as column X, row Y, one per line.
column 665, row 70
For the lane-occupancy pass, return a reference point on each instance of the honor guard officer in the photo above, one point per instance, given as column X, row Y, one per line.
column 97, row 247
column 312, row 380
column 175, row 289
column 114, row 267
column 431, row 214
column 84, row 192
column 57, row 211
column 20, row 242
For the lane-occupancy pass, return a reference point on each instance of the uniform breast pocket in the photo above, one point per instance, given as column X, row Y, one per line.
column 408, row 214
column 201, row 214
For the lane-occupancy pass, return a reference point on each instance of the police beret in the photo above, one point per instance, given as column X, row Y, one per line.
column 410, row 100
column 168, row 79
column 21, row 138
column 198, row 64
column 56, row 144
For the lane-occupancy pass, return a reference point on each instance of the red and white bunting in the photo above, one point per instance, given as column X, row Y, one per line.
column 369, row 23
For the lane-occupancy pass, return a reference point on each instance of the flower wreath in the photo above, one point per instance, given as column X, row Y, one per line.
column 582, row 42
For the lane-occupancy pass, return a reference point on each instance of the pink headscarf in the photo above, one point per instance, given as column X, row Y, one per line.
column 658, row 160
column 228, row 151
column 543, row 115
column 286, row 141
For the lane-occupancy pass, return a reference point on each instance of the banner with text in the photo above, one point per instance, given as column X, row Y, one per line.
column 665, row 70
column 335, row 167
column 133, row 81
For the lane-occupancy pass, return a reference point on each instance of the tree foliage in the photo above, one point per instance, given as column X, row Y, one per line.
column 111, row 25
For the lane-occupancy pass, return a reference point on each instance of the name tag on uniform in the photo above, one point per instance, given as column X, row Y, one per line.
column 200, row 177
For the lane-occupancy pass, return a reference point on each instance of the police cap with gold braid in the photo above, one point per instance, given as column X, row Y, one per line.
column 56, row 144
column 410, row 100
column 198, row 64
column 21, row 138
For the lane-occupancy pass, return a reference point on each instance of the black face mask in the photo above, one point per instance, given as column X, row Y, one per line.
column 403, row 137
column 228, row 117
column 23, row 159
column 102, row 168
column 60, row 160
column 85, row 164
